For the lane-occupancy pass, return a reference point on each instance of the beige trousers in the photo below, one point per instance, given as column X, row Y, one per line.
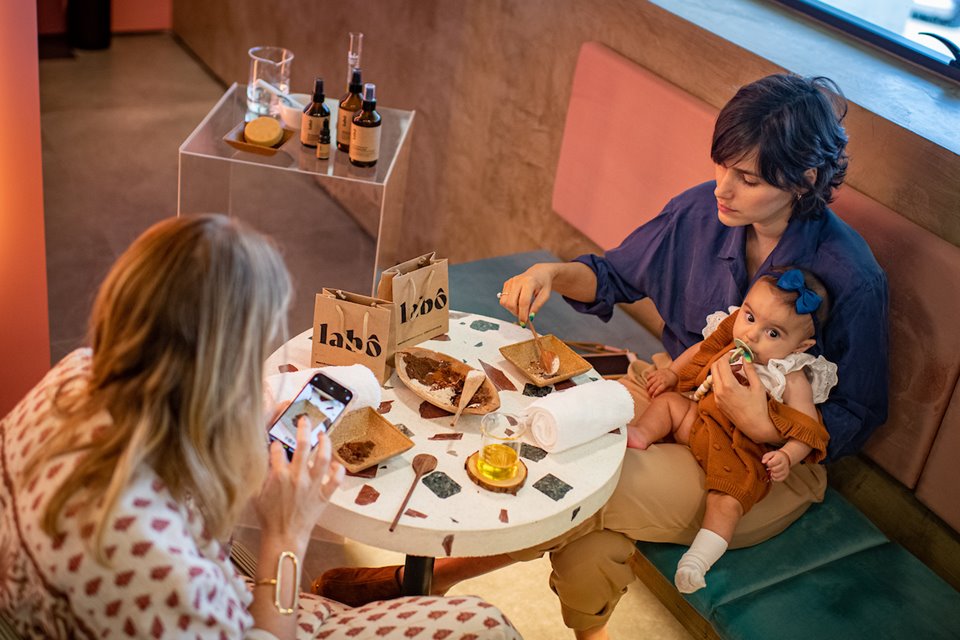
column 660, row 498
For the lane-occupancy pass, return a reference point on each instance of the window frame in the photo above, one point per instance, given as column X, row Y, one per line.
column 879, row 37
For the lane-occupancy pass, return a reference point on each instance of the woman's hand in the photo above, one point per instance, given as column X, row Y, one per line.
column 292, row 497
column 524, row 294
column 661, row 380
column 295, row 493
column 744, row 405
column 778, row 464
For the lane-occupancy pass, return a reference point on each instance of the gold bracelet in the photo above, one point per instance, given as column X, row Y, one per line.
column 277, row 583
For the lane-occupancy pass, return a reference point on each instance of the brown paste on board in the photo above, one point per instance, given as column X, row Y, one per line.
column 356, row 451
column 439, row 374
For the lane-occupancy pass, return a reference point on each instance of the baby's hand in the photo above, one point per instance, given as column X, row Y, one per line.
column 778, row 465
column 660, row 381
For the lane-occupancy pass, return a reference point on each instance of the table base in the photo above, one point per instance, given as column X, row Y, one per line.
column 417, row 576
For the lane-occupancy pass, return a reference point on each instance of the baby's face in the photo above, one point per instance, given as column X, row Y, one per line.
column 771, row 327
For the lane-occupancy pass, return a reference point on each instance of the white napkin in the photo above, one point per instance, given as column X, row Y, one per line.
column 366, row 390
column 564, row 420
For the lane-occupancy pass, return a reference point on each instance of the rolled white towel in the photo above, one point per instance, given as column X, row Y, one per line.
column 564, row 420
column 282, row 387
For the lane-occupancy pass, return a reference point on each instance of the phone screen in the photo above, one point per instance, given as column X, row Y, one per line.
column 321, row 402
column 609, row 364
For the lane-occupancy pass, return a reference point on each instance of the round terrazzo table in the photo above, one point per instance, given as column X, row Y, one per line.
column 449, row 515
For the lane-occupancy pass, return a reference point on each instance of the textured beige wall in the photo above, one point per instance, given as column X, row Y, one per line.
column 490, row 81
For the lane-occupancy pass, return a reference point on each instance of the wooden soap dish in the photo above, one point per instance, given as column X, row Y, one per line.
column 497, row 486
column 235, row 139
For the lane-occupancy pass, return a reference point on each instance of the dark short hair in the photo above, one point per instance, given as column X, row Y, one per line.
column 794, row 124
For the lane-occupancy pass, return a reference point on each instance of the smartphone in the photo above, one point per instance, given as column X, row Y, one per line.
column 321, row 402
column 610, row 365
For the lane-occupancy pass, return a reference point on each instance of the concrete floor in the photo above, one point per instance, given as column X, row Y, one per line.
column 112, row 122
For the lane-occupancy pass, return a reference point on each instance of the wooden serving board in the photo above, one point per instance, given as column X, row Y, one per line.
column 446, row 378
column 496, row 486
column 367, row 425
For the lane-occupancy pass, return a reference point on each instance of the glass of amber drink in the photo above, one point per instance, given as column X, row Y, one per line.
column 499, row 457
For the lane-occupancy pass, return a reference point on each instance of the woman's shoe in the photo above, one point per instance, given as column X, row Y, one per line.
column 357, row 586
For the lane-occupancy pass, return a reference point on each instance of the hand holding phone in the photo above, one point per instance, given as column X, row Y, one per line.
column 294, row 494
column 319, row 405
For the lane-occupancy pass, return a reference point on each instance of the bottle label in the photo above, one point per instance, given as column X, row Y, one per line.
column 344, row 122
column 310, row 127
column 365, row 144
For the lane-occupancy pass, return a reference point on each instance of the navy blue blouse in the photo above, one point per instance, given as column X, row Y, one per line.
column 691, row 265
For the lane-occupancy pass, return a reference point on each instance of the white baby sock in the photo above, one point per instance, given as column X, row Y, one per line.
column 706, row 549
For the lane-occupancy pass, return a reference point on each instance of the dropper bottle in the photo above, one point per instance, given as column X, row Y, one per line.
column 323, row 144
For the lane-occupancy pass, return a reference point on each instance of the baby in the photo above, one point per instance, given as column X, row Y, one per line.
column 778, row 322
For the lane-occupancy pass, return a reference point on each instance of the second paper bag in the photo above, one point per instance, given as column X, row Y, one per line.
column 418, row 289
column 349, row 328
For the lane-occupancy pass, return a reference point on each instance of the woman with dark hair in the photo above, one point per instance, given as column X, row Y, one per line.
column 779, row 151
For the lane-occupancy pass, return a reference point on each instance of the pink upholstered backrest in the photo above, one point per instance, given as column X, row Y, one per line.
column 631, row 142
column 939, row 486
column 924, row 275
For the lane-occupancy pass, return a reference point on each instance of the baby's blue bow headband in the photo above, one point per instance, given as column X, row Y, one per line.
column 807, row 300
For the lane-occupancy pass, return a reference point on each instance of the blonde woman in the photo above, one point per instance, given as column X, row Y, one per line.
column 123, row 471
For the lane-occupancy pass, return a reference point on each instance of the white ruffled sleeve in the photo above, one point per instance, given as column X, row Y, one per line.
column 821, row 373
column 714, row 320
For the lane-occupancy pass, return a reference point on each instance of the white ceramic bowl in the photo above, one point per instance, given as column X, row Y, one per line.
column 291, row 115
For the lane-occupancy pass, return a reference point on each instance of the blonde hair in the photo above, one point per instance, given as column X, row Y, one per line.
column 179, row 332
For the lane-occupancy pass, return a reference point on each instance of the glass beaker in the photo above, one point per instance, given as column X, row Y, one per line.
column 272, row 65
column 499, row 457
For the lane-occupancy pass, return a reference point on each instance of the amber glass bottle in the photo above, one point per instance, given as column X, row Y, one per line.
column 365, row 130
column 314, row 115
column 349, row 105
column 323, row 144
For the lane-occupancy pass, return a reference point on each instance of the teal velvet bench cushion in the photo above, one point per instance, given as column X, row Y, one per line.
column 831, row 574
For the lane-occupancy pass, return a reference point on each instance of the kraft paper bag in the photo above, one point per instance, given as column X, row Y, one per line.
column 419, row 289
column 349, row 328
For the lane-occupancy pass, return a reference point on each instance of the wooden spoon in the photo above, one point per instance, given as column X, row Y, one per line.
column 470, row 385
column 549, row 361
column 423, row 463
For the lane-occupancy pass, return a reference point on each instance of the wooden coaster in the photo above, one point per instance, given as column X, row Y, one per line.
column 497, row 486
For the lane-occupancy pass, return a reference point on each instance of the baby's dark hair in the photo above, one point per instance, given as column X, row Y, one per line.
column 793, row 124
column 810, row 281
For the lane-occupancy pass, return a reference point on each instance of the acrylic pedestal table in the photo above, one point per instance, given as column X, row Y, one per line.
column 337, row 225
column 448, row 514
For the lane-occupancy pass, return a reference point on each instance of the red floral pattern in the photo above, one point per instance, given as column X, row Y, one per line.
column 165, row 576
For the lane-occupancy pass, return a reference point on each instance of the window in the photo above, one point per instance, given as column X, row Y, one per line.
column 897, row 26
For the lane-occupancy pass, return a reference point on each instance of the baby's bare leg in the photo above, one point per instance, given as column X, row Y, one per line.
column 667, row 412
column 722, row 514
